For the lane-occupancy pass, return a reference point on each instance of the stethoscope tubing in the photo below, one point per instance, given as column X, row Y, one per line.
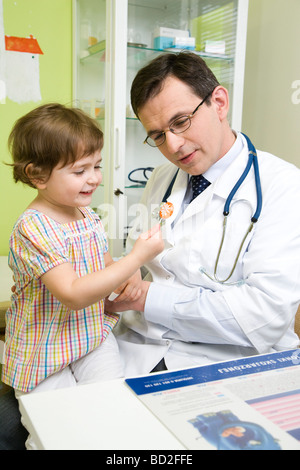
column 144, row 170
column 252, row 160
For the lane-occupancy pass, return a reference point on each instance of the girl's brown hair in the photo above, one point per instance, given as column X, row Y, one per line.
column 51, row 135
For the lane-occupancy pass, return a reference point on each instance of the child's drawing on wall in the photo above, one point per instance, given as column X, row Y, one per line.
column 22, row 71
column 19, row 67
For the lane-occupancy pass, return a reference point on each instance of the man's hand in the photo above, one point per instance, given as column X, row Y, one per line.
column 130, row 290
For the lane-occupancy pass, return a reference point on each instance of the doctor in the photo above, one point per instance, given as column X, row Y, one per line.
column 203, row 300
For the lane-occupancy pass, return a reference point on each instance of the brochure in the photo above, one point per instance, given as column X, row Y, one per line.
column 246, row 404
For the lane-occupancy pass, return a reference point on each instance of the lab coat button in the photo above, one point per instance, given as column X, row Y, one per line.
column 168, row 277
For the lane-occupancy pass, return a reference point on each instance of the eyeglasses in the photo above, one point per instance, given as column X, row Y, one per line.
column 178, row 126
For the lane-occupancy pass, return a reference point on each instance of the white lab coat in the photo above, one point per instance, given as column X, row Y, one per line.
column 191, row 320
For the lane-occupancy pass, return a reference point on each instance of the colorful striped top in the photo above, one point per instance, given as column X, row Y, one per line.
column 42, row 335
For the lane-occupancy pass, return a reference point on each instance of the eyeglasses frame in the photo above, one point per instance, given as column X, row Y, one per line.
column 189, row 116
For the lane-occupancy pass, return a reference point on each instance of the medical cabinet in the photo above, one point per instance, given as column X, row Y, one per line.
column 112, row 40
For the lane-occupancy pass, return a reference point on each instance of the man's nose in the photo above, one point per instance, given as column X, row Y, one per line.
column 174, row 141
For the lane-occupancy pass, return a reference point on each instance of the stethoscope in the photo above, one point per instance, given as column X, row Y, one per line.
column 252, row 160
column 140, row 182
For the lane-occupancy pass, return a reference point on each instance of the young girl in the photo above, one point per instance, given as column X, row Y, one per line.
column 57, row 333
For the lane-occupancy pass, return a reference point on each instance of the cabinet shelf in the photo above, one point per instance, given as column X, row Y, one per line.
column 174, row 50
column 96, row 51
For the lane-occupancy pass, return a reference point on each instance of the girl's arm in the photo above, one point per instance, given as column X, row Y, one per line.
column 130, row 290
column 80, row 292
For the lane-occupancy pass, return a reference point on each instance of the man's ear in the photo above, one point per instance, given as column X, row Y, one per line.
column 34, row 174
column 220, row 98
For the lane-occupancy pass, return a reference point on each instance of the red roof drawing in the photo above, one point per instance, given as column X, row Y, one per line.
column 13, row 43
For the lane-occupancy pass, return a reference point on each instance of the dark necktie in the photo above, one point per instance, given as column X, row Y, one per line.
column 199, row 184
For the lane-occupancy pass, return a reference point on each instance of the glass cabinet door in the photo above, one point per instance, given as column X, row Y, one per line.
column 89, row 82
column 99, row 88
column 209, row 29
column 215, row 30
column 89, row 17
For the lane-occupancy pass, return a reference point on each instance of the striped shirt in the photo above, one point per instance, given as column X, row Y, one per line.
column 42, row 335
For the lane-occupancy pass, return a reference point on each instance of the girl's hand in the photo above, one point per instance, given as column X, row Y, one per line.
column 148, row 245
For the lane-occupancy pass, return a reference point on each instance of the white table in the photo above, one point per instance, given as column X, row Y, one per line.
column 106, row 415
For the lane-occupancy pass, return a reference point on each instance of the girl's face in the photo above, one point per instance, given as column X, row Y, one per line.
column 74, row 184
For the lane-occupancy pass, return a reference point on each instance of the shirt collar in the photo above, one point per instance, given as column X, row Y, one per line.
column 221, row 165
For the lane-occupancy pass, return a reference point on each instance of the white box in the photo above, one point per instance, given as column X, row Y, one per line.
column 170, row 33
column 184, row 42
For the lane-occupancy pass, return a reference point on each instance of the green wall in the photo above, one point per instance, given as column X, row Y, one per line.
column 50, row 22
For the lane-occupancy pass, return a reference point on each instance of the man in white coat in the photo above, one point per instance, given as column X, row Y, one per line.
column 185, row 315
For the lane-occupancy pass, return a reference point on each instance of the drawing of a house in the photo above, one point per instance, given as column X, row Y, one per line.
column 22, row 72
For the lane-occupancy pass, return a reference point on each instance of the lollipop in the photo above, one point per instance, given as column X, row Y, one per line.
column 166, row 210
column 163, row 212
